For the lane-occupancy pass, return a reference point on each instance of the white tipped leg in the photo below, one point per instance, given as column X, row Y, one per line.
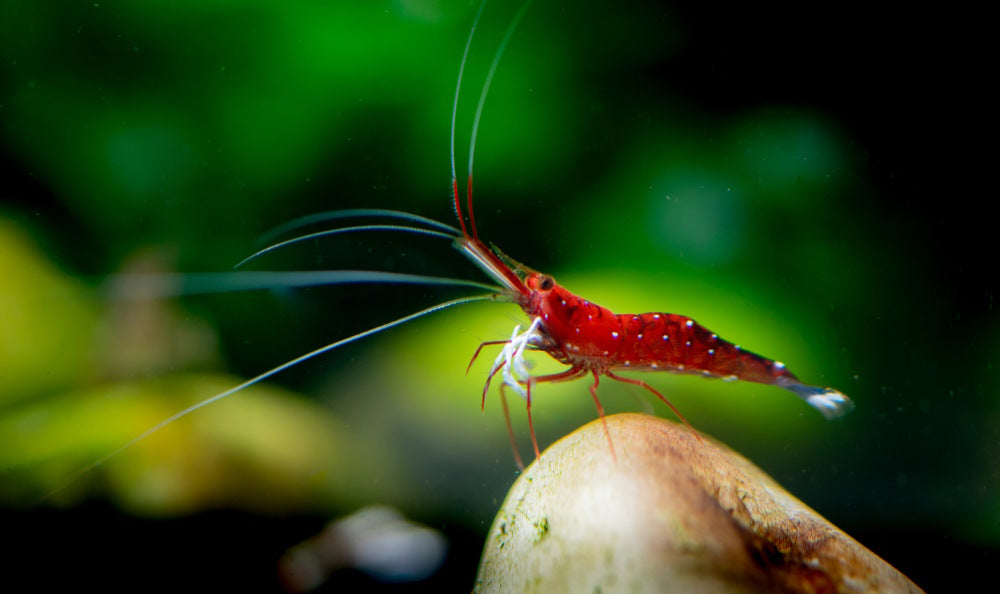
column 830, row 402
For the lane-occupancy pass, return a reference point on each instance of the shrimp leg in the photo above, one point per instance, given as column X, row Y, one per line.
column 510, row 428
column 600, row 412
column 636, row 382
column 571, row 373
column 480, row 348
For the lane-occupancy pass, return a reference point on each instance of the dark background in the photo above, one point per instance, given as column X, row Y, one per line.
column 809, row 181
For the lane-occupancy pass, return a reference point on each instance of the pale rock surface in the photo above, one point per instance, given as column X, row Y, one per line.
column 672, row 514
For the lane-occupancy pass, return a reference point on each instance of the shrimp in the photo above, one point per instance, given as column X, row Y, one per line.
column 591, row 339
column 586, row 337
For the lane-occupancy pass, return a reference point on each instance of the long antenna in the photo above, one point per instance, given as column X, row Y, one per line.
column 454, row 114
column 259, row 378
column 482, row 101
column 349, row 213
column 340, row 230
column 152, row 286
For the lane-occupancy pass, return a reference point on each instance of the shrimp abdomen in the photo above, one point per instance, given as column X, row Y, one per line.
column 671, row 342
column 678, row 343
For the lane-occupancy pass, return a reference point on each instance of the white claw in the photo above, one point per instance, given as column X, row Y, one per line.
column 515, row 369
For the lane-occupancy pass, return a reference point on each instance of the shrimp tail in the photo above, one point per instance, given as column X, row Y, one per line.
column 831, row 403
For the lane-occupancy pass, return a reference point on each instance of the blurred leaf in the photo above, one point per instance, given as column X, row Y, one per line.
column 263, row 449
column 47, row 322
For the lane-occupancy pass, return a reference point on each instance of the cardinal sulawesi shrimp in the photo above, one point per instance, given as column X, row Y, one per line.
column 590, row 339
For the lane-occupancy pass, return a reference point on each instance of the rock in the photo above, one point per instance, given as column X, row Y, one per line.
column 674, row 513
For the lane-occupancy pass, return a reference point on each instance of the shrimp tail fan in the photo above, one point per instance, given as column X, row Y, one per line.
column 831, row 403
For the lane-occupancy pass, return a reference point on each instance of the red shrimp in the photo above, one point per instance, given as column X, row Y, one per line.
column 591, row 338
column 585, row 336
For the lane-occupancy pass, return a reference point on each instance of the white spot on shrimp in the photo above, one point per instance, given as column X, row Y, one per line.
column 689, row 323
column 614, row 334
column 730, row 378
column 665, row 337
column 715, row 337
column 639, row 337
column 577, row 330
column 688, row 343
column 738, row 348
column 779, row 365
column 546, row 316
column 627, row 363
column 654, row 365
column 563, row 301
column 605, row 353
column 590, row 316
column 635, row 318
column 711, row 351
column 656, row 316
column 680, row 368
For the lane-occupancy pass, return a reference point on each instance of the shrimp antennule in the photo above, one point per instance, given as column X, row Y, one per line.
column 454, row 117
column 340, row 230
column 478, row 115
column 147, row 286
column 353, row 213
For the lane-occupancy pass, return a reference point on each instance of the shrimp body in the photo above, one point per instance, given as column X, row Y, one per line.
column 590, row 337
column 593, row 339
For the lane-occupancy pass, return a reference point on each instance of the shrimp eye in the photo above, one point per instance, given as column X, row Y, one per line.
column 546, row 283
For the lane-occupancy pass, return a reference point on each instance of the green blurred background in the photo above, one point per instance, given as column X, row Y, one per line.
column 799, row 181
